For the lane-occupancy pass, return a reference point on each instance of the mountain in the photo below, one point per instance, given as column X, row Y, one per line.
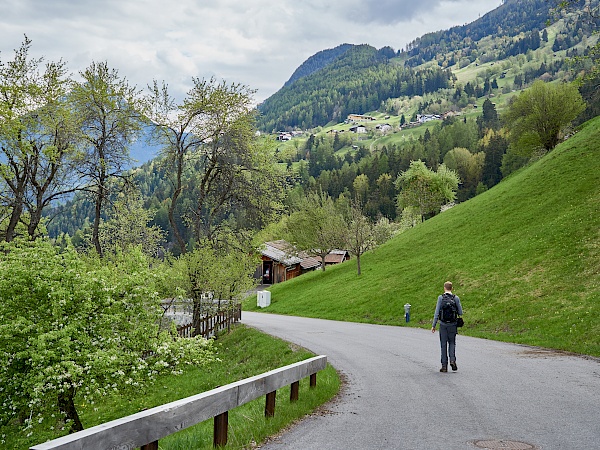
column 143, row 149
column 504, row 23
column 317, row 62
column 359, row 79
column 356, row 81
column 463, row 78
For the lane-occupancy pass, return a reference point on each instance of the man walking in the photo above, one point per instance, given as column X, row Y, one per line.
column 447, row 310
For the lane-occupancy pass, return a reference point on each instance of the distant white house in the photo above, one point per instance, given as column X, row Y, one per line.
column 358, row 129
column 359, row 118
column 384, row 127
column 422, row 118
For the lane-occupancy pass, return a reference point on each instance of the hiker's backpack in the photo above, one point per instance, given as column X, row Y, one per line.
column 448, row 310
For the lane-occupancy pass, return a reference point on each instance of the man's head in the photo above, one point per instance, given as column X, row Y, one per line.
column 448, row 286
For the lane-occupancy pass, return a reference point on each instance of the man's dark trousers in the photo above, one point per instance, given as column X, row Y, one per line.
column 448, row 341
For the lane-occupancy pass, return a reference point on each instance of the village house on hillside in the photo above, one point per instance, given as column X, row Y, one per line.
column 280, row 262
column 384, row 127
column 358, row 118
column 337, row 257
column 288, row 136
column 423, row 118
column 358, row 129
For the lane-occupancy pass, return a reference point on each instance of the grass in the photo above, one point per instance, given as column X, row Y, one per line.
column 524, row 257
column 244, row 352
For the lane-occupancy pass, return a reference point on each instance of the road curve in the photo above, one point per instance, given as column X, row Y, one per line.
column 502, row 396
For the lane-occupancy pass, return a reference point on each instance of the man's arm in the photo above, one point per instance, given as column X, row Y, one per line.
column 458, row 305
column 436, row 313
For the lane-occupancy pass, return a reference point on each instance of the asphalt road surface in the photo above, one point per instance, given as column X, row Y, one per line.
column 503, row 396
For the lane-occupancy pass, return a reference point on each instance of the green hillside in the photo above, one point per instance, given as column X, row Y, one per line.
column 524, row 258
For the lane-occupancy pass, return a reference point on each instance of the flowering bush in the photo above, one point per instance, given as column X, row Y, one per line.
column 74, row 324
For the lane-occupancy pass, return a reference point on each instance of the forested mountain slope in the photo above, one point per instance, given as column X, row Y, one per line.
column 355, row 82
column 507, row 21
column 318, row 61
column 474, row 79
column 360, row 79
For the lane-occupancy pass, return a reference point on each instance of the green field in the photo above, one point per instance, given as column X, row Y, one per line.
column 524, row 257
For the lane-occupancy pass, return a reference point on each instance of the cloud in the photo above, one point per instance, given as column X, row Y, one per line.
column 255, row 42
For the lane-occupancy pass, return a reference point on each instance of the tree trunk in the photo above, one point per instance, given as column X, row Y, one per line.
column 100, row 194
column 96, row 226
column 358, row 262
column 34, row 221
column 176, row 232
column 17, row 205
column 197, row 315
column 67, row 407
column 176, row 193
column 14, row 220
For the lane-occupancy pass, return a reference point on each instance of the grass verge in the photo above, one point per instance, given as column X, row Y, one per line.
column 244, row 352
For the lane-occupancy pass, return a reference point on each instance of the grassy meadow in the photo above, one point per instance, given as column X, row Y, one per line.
column 524, row 258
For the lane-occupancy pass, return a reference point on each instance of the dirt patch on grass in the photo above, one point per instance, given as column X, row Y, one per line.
column 538, row 352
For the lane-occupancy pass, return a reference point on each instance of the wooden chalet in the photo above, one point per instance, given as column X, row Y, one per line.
column 336, row 257
column 280, row 262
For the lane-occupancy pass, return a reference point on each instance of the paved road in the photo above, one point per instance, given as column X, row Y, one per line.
column 396, row 398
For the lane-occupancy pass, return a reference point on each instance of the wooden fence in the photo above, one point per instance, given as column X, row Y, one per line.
column 211, row 324
column 144, row 429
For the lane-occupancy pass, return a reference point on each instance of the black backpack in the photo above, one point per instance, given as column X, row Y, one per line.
column 448, row 309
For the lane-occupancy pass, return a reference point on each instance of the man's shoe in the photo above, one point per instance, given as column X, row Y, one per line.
column 453, row 365
column 444, row 369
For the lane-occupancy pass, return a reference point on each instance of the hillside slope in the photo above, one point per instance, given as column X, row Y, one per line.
column 524, row 257
column 317, row 62
column 357, row 81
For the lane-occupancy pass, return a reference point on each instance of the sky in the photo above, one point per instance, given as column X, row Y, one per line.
column 258, row 43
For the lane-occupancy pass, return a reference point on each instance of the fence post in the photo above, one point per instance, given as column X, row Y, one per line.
column 220, row 429
column 270, row 404
column 313, row 380
column 150, row 446
column 295, row 389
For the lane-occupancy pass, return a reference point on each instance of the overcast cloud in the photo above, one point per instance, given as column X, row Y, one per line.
column 258, row 43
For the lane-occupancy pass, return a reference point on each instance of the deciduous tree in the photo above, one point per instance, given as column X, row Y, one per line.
column 424, row 189
column 212, row 132
column 37, row 134
column 363, row 235
column 538, row 117
column 468, row 167
column 128, row 227
column 108, row 110
column 218, row 277
column 317, row 227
